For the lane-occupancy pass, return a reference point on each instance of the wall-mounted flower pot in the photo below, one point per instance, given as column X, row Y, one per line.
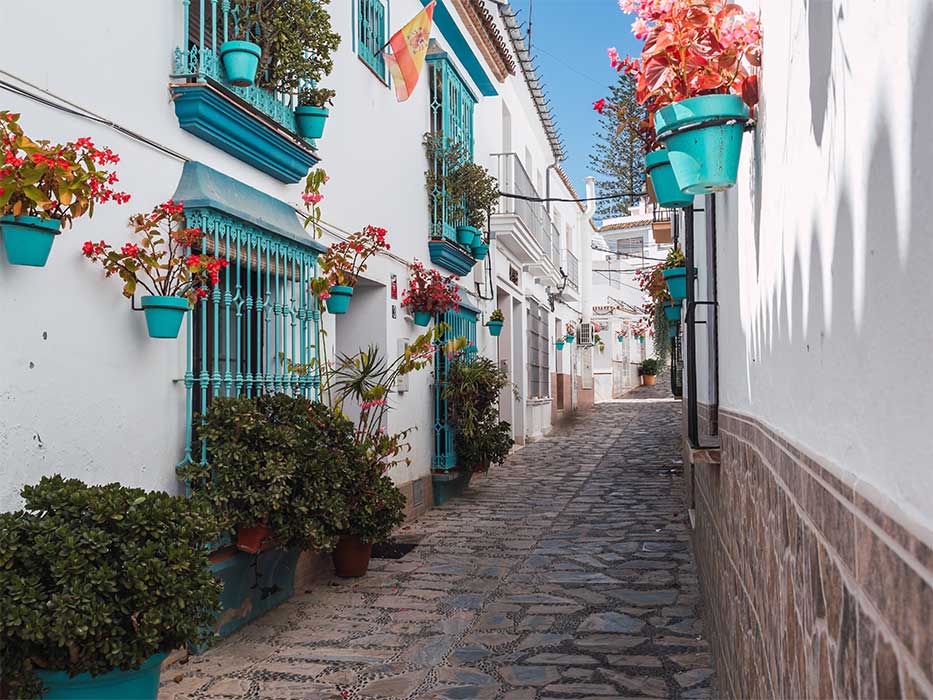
column 620, row 338
column 703, row 138
column 559, row 344
column 240, row 60
column 676, row 278
column 479, row 250
column 251, row 539
column 164, row 315
column 139, row 684
column 351, row 557
column 665, row 186
column 648, row 379
column 422, row 318
column 28, row 239
column 339, row 300
column 466, row 235
column 310, row 121
column 495, row 328
column 672, row 330
column 570, row 338
column 672, row 311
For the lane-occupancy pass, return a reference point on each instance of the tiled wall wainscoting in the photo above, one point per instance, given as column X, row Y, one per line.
column 812, row 591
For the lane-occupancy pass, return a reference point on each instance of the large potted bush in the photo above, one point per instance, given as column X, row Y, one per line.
column 45, row 187
column 429, row 293
column 161, row 264
column 342, row 265
column 696, row 77
column 98, row 584
column 648, row 370
column 489, row 444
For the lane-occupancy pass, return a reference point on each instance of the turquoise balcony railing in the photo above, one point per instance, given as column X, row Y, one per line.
column 460, row 323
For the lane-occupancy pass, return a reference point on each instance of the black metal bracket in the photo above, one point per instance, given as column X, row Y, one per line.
column 133, row 304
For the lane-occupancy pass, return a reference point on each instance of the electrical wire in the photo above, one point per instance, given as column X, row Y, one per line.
column 512, row 195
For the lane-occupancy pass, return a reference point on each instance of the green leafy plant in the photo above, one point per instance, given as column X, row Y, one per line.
column 97, row 578
column 53, row 181
column 312, row 198
column 316, row 97
column 472, row 393
column 375, row 506
column 650, row 366
column 296, row 39
column 497, row 315
column 675, row 258
column 491, row 443
column 471, row 192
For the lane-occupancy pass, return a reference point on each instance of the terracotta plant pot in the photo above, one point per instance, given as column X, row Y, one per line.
column 351, row 556
column 648, row 379
column 251, row 539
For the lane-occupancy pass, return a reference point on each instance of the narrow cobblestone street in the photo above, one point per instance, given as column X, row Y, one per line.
column 565, row 573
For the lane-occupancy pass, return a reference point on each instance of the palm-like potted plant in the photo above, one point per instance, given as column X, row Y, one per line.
column 496, row 321
column 648, row 370
column 696, row 76
column 162, row 264
column 429, row 293
column 343, row 264
column 45, row 186
column 98, row 584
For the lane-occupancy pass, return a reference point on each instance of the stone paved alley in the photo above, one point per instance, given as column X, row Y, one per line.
column 566, row 573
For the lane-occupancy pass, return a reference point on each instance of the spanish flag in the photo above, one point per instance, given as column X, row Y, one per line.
column 409, row 47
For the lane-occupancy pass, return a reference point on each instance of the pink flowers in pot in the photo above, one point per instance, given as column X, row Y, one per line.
column 430, row 292
column 344, row 262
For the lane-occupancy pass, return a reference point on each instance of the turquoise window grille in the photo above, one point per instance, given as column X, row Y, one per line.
column 460, row 323
column 371, row 35
column 451, row 106
column 206, row 25
column 256, row 332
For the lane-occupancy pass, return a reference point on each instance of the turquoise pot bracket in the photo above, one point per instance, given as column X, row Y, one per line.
column 703, row 138
column 138, row 684
column 28, row 239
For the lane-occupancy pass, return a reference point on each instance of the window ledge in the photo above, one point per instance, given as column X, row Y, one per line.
column 451, row 257
column 241, row 131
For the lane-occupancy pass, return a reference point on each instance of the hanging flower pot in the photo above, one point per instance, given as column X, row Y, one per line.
column 310, row 121
column 559, row 344
column 672, row 311
column 139, row 684
column 240, row 60
column 641, row 339
column 620, row 338
column 466, row 235
column 28, row 239
column 422, row 318
column 164, row 315
column 251, row 539
column 570, row 338
column 351, row 556
column 339, row 300
column 665, row 185
column 479, row 250
column 703, row 138
column 495, row 328
column 676, row 278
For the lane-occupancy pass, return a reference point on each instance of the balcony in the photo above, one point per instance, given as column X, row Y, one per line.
column 661, row 224
column 571, row 268
column 253, row 124
column 522, row 226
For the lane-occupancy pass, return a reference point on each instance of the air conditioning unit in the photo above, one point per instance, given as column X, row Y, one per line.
column 585, row 334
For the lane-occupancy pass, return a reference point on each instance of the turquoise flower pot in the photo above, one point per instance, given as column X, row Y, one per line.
column 339, row 300
column 240, row 60
column 676, row 278
column 139, row 684
column 466, row 235
column 559, row 344
column 620, row 338
column 672, row 311
column 641, row 339
column 703, row 138
column 495, row 328
column 665, row 186
column 164, row 315
column 570, row 338
column 422, row 318
column 672, row 330
column 310, row 121
column 479, row 250
column 28, row 239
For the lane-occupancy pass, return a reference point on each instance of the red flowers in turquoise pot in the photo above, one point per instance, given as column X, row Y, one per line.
column 429, row 293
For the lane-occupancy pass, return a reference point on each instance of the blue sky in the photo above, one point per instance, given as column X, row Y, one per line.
column 569, row 40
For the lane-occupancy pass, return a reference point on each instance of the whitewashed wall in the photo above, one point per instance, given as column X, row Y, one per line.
column 826, row 244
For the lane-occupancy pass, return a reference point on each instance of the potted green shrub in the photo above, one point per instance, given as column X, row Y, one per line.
column 45, row 187
column 312, row 112
column 429, row 293
column 697, row 77
column 342, row 265
column 496, row 321
column 649, row 369
column 98, row 584
column 490, row 443
column 162, row 265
